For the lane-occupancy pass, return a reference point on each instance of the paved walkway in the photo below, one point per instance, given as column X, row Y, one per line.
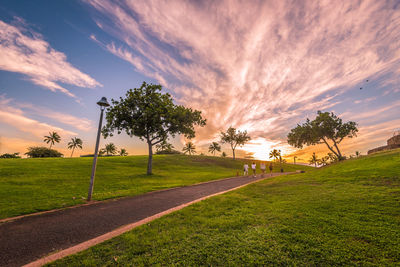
column 30, row 238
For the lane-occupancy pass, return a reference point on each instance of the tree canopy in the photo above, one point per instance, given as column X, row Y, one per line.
column 326, row 129
column 152, row 116
column 214, row 146
column 234, row 138
column 52, row 138
column 189, row 148
column 75, row 143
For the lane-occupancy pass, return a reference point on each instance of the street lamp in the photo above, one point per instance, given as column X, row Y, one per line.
column 103, row 104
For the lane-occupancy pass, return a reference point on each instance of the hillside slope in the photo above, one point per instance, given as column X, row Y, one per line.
column 31, row 185
column 344, row 214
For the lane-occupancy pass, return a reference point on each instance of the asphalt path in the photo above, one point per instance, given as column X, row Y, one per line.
column 32, row 237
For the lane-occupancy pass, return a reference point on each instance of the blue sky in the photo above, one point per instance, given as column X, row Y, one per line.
column 258, row 66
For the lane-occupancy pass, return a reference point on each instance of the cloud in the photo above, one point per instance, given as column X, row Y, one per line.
column 17, row 118
column 24, row 51
column 79, row 123
column 261, row 65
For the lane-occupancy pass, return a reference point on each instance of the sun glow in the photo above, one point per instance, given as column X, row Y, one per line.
column 259, row 148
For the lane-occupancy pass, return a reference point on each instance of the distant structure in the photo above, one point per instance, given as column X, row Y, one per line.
column 392, row 143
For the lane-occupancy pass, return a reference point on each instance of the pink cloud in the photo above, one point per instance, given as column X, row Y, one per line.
column 25, row 51
column 16, row 117
column 261, row 66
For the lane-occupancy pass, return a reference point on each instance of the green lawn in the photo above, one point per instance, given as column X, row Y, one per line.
column 344, row 214
column 31, row 185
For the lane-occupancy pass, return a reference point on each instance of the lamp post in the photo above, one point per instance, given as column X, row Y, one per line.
column 103, row 104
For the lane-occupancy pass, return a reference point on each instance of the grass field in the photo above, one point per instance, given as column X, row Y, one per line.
column 344, row 214
column 31, row 185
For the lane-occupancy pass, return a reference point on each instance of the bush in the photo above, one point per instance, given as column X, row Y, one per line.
column 168, row 151
column 10, row 156
column 42, row 152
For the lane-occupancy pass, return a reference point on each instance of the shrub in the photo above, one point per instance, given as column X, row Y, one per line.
column 42, row 152
column 167, row 151
column 10, row 156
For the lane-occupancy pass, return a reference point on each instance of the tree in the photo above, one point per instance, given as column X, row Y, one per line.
column 323, row 161
column 223, row 154
column 275, row 154
column 326, row 129
column 102, row 152
column 164, row 146
column 358, row 154
column 123, row 152
column 152, row 116
column 189, row 148
column 110, row 149
column 214, row 147
column 42, row 152
column 314, row 159
column 234, row 138
column 332, row 157
column 10, row 156
column 52, row 138
column 75, row 143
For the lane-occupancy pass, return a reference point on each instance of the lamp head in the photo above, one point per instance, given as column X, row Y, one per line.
column 103, row 102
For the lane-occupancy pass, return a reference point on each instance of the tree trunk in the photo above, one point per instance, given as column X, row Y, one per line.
column 150, row 160
column 233, row 153
column 72, row 151
column 331, row 149
column 50, row 145
column 338, row 151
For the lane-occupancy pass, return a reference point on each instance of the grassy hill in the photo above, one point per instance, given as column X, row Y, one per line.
column 344, row 214
column 31, row 185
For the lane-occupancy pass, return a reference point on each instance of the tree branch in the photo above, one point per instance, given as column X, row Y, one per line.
column 330, row 148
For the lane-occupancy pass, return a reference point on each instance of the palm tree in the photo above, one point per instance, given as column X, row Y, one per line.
column 214, row 147
column 358, row 154
column 123, row 152
column 275, row 154
column 314, row 159
column 324, row 160
column 52, row 138
column 110, row 149
column 75, row 143
column 102, row 152
column 332, row 157
column 189, row 148
column 164, row 146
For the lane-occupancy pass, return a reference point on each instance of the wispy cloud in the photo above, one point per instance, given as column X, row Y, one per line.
column 25, row 51
column 17, row 118
column 260, row 65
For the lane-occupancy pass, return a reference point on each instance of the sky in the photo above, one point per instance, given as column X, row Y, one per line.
column 259, row 66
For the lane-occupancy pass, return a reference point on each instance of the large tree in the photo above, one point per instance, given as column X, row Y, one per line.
column 152, row 116
column 234, row 138
column 326, row 129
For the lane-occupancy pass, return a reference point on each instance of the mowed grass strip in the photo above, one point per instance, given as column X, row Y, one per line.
column 32, row 185
column 344, row 214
